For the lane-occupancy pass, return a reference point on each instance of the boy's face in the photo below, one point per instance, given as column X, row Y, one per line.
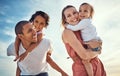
column 39, row 23
column 71, row 16
column 84, row 12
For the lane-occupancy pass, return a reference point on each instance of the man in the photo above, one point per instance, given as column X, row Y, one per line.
column 36, row 62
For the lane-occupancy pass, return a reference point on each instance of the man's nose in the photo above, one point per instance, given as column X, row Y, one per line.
column 34, row 31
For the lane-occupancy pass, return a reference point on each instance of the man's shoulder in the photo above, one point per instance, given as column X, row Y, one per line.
column 45, row 41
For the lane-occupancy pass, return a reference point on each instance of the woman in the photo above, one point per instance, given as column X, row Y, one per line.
column 75, row 49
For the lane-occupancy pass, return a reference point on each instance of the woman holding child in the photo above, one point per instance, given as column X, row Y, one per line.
column 74, row 45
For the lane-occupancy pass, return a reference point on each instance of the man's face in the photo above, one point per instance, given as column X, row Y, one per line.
column 29, row 33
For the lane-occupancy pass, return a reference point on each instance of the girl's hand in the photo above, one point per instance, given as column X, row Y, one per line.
column 22, row 57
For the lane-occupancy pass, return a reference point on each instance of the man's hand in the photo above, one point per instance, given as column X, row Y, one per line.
column 64, row 74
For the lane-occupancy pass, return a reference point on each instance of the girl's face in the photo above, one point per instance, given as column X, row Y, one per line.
column 39, row 23
column 84, row 12
column 71, row 16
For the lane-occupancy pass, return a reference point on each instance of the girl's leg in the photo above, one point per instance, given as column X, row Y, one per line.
column 88, row 67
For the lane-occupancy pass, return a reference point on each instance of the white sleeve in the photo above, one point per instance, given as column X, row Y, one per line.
column 51, row 46
column 81, row 25
column 11, row 50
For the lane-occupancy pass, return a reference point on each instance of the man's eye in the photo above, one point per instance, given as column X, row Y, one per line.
column 85, row 11
column 36, row 21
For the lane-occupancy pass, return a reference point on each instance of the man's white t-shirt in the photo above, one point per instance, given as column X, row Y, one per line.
column 35, row 62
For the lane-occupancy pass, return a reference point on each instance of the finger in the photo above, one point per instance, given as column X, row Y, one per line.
column 22, row 58
column 87, row 42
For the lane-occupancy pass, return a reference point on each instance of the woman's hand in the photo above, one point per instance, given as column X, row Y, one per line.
column 94, row 43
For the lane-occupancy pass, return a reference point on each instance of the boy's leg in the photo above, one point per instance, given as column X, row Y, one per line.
column 88, row 67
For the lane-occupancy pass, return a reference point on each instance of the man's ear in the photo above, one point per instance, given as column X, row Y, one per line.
column 19, row 36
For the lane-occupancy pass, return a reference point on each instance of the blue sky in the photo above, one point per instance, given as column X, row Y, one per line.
column 106, row 19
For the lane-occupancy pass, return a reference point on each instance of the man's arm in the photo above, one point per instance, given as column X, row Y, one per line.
column 18, row 71
column 54, row 65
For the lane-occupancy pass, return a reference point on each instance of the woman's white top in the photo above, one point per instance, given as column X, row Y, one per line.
column 35, row 62
column 88, row 30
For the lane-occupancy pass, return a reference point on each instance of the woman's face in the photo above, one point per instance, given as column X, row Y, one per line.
column 71, row 16
column 39, row 23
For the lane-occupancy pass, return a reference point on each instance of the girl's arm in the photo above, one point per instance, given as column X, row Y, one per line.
column 22, row 56
column 70, row 38
column 17, row 44
column 32, row 46
column 81, row 25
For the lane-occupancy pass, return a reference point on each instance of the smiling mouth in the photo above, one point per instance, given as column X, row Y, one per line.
column 82, row 16
column 75, row 20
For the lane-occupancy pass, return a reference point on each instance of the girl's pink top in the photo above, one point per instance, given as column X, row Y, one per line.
column 77, row 66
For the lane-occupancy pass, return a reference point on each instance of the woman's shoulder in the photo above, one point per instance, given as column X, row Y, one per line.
column 65, row 34
column 67, row 31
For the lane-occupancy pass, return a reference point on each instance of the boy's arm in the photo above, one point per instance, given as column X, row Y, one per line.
column 81, row 25
column 54, row 65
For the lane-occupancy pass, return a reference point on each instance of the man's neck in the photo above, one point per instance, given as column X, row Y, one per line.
column 26, row 45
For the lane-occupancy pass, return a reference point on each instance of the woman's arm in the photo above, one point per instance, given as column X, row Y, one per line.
column 70, row 38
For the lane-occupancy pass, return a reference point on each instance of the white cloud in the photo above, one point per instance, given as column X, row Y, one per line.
column 9, row 21
column 2, row 12
column 9, row 31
